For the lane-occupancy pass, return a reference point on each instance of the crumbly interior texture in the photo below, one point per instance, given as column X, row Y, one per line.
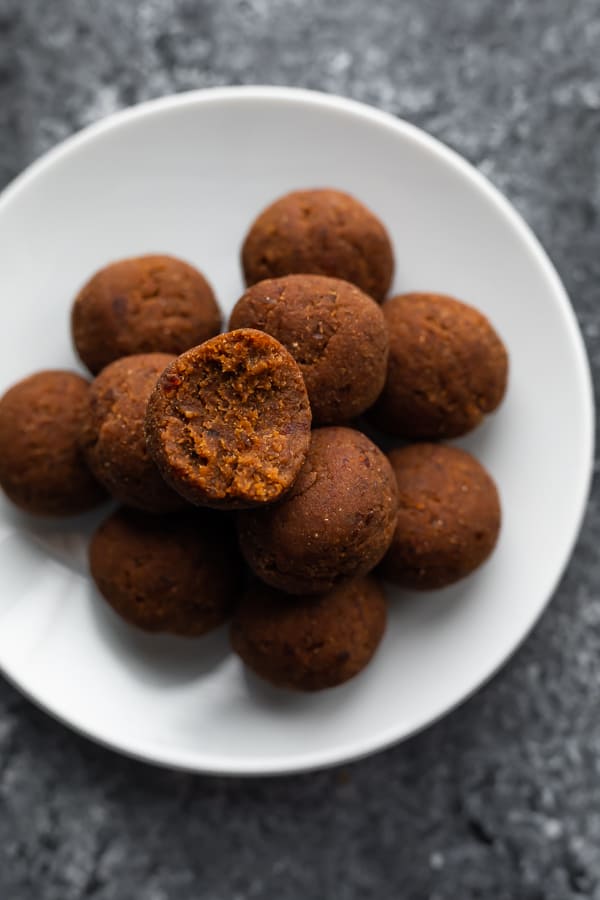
column 335, row 524
column 228, row 423
column 448, row 516
column 320, row 232
column 335, row 332
column 447, row 368
column 309, row 643
column 113, row 438
column 142, row 305
column 179, row 573
column 42, row 469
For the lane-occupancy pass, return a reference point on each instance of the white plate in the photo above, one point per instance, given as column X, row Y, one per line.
column 186, row 175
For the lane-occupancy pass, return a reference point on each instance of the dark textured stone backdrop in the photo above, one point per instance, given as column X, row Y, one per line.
column 502, row 799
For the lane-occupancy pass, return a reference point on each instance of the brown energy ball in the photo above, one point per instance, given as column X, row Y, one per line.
column 321, row 232
column 42, row 469
column 228, row 423
column 335, row 524
column 448, row 517
column 113, row 438
column 447, row 368
column 335, row 332
column 177, row 573
column 309, row 643
column 142, row 305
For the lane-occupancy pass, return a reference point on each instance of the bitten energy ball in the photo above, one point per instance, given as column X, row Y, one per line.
column 228, row 423
column 177, row 573
column 448, row 517
column 335, row 332
column 447, row 368
column 321, row 232
column 335, row 524
column 143, row 305
column 42, row 469
column 113, row 438
column 309, row 643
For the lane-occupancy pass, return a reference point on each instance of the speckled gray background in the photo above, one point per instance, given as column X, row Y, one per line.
column 502, row 799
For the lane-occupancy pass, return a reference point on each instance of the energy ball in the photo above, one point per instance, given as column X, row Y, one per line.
column 321, row 232
column 335, row 524
column 448, row 517
column 142, row 305
column 335, row 332
column 228, row 423
column 309, row 643
column 178, row 573
column 42, row 469
column 447, row 368
column 113, row 438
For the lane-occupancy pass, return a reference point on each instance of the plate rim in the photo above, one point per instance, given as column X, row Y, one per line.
column 193, row 761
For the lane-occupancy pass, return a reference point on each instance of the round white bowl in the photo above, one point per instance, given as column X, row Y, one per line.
column 186, row 175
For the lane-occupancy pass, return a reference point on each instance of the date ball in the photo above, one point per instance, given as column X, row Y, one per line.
column 113, row 438
column 142, row 305
column 320, row 232
column 447, row 368
column 42, row 469
column 335, row 524
column 178, row 573
column 309, row 643
column 448, row 517
column 335, row 332
column 228, row 423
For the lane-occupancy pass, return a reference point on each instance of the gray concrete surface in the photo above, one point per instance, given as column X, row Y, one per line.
column 502, row 799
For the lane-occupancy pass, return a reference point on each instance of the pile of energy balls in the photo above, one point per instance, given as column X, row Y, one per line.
column 248, row 488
